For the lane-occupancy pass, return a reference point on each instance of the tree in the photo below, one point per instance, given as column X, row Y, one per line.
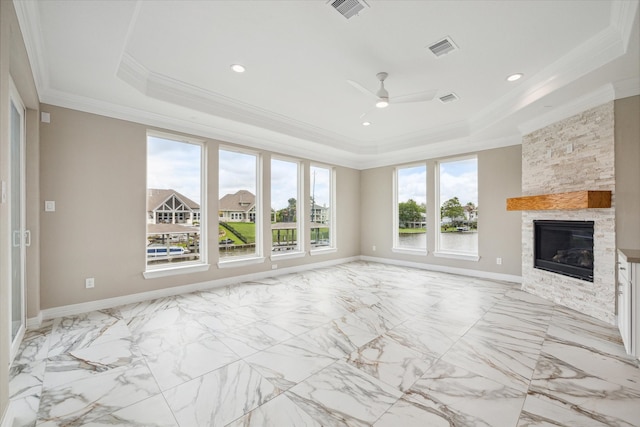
column 452, row 209
column 410, row 211
column 287, row 214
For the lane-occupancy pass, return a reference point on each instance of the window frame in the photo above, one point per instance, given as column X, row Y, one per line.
column 396, row 248
column 447, row 253
column 202, row 264
column 258, row 256
column 333, row 240
column 300, row 210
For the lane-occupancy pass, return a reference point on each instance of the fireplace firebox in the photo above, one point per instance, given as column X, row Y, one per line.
column 564, row 247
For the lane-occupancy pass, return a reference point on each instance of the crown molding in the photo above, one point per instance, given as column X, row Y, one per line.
column 439, row 149
column 599, row 50
column 225, row 131
column 623, row 15
column 165, row 88
column 239, row 123
column 627, row 88
column 596, row 98
column 29, row 21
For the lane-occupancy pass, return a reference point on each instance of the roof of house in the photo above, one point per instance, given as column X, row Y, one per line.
column 155, row 197
column 241, row 201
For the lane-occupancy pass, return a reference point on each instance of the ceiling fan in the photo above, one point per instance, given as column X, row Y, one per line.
column 382, row 95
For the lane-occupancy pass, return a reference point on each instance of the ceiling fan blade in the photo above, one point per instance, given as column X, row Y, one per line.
column 361, row 88
column 427, row 95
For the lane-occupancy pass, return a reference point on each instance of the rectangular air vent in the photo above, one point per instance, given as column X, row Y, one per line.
column 448, row 98
column 443, row 47
column 348, row 8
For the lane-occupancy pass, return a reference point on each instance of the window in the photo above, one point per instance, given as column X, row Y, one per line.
column 239, row 227
column 458, row 201
column 175, row 199
column 410, row 208
column 285, row 214
column 322, row 208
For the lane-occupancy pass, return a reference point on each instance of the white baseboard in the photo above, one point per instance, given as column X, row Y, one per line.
column 74, row 309
column 445, row 269
column 34, row 322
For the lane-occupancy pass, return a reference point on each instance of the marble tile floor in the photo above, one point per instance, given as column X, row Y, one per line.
column 359, row 344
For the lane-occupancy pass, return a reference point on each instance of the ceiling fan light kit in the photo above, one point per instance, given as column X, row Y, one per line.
column 382, row 95
column 382, row 103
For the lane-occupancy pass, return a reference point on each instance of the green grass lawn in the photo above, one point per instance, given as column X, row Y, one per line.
column 248, row 230
column 412, row 230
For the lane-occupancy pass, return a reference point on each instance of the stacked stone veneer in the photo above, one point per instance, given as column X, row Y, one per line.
column 548, row 168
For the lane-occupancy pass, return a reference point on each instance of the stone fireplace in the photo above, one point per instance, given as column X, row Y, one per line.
column 573, row 154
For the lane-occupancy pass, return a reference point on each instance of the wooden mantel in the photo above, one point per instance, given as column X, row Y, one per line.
column 574, row 200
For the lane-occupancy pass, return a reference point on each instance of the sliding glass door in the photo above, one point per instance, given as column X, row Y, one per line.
column 19, row 235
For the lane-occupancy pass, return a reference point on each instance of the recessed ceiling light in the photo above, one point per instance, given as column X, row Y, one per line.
column 514, row 77
column 238, row 68
column 366, row 123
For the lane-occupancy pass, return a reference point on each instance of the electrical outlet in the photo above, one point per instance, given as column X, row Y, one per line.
column 499, row 261
column 274, row 266
column 89, row 282
column 49, row 206
column 569, row 148
column 373, row 248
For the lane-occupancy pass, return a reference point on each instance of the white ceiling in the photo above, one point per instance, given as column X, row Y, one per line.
column 167, row 64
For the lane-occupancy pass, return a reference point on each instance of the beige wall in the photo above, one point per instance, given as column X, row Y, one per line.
column 93, row 168
column 627, row 158
column 499, row 175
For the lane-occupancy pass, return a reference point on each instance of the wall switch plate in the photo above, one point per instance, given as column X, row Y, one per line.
column 49, row 206
column 373, row 248
column 569, row 148
column 45, row 117
column 89, row 283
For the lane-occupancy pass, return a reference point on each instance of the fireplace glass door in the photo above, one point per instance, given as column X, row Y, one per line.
column 564, row 247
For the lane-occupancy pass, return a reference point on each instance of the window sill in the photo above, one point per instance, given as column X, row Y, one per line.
column 290, row 255
column 240, row 262
column 457, row 255
column 313, row 252
column 408, row 251
column 174, row 271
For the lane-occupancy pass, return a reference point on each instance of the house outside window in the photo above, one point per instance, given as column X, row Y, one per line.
column 239, row 207
column 323, row 209
column 175, row 168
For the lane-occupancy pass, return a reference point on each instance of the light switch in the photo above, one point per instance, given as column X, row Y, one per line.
column 49, row 206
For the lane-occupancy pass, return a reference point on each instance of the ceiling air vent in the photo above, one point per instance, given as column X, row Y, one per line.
column 450, row 97
column 443, row 47
column 348, row 8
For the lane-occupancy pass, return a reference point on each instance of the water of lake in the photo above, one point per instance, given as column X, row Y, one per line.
column 459, row 242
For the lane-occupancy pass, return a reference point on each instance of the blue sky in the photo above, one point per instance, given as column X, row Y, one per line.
column 237, row 172
column 457, row 179
column 284, row 179
column 176, row 165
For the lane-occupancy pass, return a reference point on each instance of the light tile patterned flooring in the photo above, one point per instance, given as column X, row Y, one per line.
column 360, row 344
